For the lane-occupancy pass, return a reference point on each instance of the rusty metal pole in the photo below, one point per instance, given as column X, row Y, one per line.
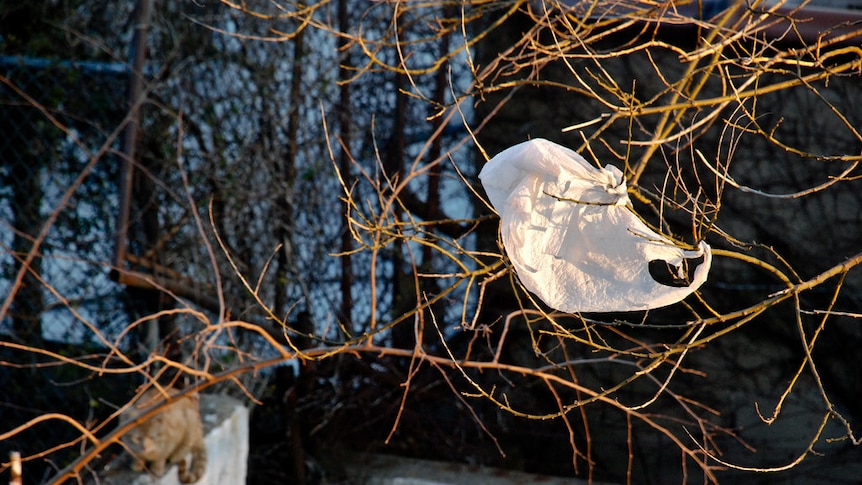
column 127, row 165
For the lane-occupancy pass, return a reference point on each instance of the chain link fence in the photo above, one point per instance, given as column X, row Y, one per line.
column 58, row 120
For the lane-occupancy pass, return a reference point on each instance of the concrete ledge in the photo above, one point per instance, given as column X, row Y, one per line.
column 392, row 470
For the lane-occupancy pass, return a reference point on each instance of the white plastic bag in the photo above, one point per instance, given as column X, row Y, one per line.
column 573, row 239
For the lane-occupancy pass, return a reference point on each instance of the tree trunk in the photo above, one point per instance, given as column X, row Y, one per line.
column 344, row 122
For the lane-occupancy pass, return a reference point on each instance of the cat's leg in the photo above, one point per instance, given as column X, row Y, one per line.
column 158, row 467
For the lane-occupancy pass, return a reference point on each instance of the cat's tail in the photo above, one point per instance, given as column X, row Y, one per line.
column 199, row 465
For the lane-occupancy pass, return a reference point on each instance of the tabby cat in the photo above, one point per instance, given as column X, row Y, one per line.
column 167, row 437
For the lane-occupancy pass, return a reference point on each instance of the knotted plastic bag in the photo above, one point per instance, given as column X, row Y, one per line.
column 574, row 240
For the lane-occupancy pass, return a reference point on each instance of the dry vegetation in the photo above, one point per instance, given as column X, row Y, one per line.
column 346, row 229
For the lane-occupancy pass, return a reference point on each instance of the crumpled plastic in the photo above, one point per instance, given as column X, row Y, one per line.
column 574, row 240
